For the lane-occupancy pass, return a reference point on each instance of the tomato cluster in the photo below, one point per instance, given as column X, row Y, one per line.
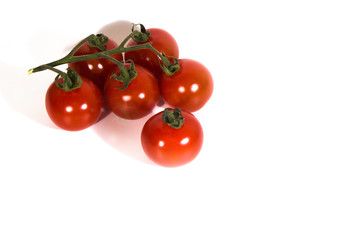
column 185, row 91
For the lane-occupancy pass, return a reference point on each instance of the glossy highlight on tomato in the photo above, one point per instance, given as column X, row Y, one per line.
column 137, row 100
column 162, row 41
column 74, row 110
column 95, row 69
column 170, row 147
column 189, row 88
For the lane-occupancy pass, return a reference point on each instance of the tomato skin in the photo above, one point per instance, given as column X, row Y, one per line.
column 138, row 99
column 189, row 88
column 74, row 110
column 94, row 69
column 169, row 147
column 162, row 41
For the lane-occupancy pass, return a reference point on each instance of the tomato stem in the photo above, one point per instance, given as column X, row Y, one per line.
column 70, row 80
column 70, row 58
column 99, row 41
column 122, row 44
column 173, row 117
column 126, row 75
column 49, row 67
column 120, row 65
column 140, row 36
column 72, row 52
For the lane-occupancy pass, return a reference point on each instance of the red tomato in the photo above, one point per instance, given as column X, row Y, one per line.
column 170, row 147
column 189, row 88
column 74, row 110
column 95, row 69
column 137, row 100
column 161, row 41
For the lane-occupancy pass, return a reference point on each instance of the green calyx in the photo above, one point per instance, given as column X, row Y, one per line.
column 173, row 117
column 140, row 36
column 169, row 67
column 126, row 75
column 69, row 81
column 99, row 41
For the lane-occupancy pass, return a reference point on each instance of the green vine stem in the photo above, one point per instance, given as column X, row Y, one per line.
column 69, row 80
column 143, row 35
column 126, row 74
column 70, row 58
column 123, row 70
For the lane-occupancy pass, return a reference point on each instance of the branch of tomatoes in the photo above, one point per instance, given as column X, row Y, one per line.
column 99, row 41
column 99, row 75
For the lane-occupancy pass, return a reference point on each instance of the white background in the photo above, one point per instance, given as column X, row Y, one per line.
column 281, row 152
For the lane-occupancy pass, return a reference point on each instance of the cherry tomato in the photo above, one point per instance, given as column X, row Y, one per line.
column 189, row 88
column 74, row 110
column 162, row 41
column 138, row 99
column 94, row 69
column 170, row 147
